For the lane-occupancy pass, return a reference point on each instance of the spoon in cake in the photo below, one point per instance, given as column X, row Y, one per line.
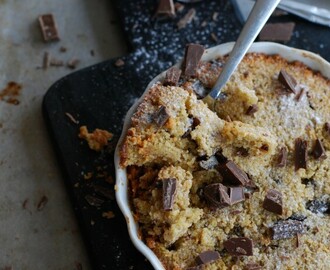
column 259, row 15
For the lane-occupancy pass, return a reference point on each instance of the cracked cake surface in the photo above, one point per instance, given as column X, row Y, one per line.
column 246, row 186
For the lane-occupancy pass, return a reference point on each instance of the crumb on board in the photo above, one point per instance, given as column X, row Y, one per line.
column 96, row 140
column 72, row 119
column 42, row 203
column 10, row 93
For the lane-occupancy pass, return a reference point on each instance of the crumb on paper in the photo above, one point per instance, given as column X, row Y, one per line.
column 10, row 93
column 96, row 140
column 108, row 215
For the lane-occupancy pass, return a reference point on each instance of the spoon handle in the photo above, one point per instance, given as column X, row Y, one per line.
column 258, row 17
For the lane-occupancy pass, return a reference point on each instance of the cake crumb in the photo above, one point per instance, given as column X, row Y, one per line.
column 96, row 140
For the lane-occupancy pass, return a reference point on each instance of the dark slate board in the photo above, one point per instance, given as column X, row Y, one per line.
column 99, row 97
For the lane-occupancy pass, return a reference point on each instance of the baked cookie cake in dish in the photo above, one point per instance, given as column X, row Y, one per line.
column 244, row 185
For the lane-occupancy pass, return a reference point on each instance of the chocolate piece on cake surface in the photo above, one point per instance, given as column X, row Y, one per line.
column 273, row 202
column 233, row 174
column 161, row 116
column 48, row 27
column 240, row 246
column 236, row 195
column 169, row 190
column 287, row 81
column 318, row 150
column 285, row 229
column 300, row 154
column 207, row 257
column 217, row 195
column 192, row 58
column 172, row 76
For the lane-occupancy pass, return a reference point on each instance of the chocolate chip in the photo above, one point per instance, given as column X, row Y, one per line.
column 161, row 116
column 284, row 229
column 252, row 109
column 207, row 257
column 277, row 31
column 165, row 8
column 240, row 246
column 252, row 266
column 216, row 195
column 282, row 157
column 209, row 164
column 287, row 81
column 318, row 150
column 318, row 206
column 169, row 190
column 186, row 18
column 48, row 27
column 236, row 195
column 233, row 174
column 192, row 57
column 172, row 76
column 273, row 202
column 300, row 154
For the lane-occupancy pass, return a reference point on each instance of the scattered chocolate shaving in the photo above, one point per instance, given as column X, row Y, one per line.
column 300, row 154
column 193, row 55
column 172, row 76
column 273, row 202
column 119, row 63
column 240, row 246
column 209, row 164
column 300, row 94
column 94, row 201
column 187, row 18
column 165, row 8
column 282, row 157
column 327, row 128
column 25, row 203
column 252, row 266
column 285, row 229
column 207, row 257
column 72, row 119
column 48, row 27
column 10, row 93
column 73, row 63
column 318, row 206
column 178, row 7
column 233, row 174
column 161, row 116
column 42, row 203
column 46, row 60
column 236, row 195
column 252, row 109
column 287, row 81
column 217, row 195
column 318, row 150
column 297, row 240
column 169, row 190
column 214, row 37
column 277, row 31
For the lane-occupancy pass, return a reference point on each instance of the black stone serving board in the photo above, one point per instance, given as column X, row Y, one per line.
column 100, row 95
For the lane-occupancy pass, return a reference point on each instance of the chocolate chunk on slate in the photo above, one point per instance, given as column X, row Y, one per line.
column 165, row 8
column 172, row 76
column 236, row 195
column 287, row 81
column 209, row 164
column 217, row 195
column 284, row 229
column 252, row 109
column 300, row 154
column 186, row 18
column 282, row 157
column 233, row 174
column 273, row 202
column 318, row 206
column 240, row 246
column 277, row 31
column 327, row 128
column 192, row 57
column 161, row 116
column 252, row 266
column 48, row 27
column 207, row 257
column 169, row 189
column 318, row 150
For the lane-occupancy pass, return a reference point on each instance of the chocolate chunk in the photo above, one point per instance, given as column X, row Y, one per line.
column 284, row 229
column 318, row 150
column 233, row 174
column 161, row 116
column 287, row 81
column 48, row 27
column 169, row 190
column 300, row 94
column 172, row 76
column 277, row 31
column 209, row 164
column 240, row 246
column 192, row 57
column 236, row 195
column 273, row 202
column 217, row 195
column 207, row 257
column 186, row 18
column 318, row 206
column 165, row 8
column 300, row 154
column 327, row 128
column 252, row 109
column 252, row 266
column 282, row 157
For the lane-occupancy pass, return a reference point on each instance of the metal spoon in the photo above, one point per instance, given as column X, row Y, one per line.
column 258, row 17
